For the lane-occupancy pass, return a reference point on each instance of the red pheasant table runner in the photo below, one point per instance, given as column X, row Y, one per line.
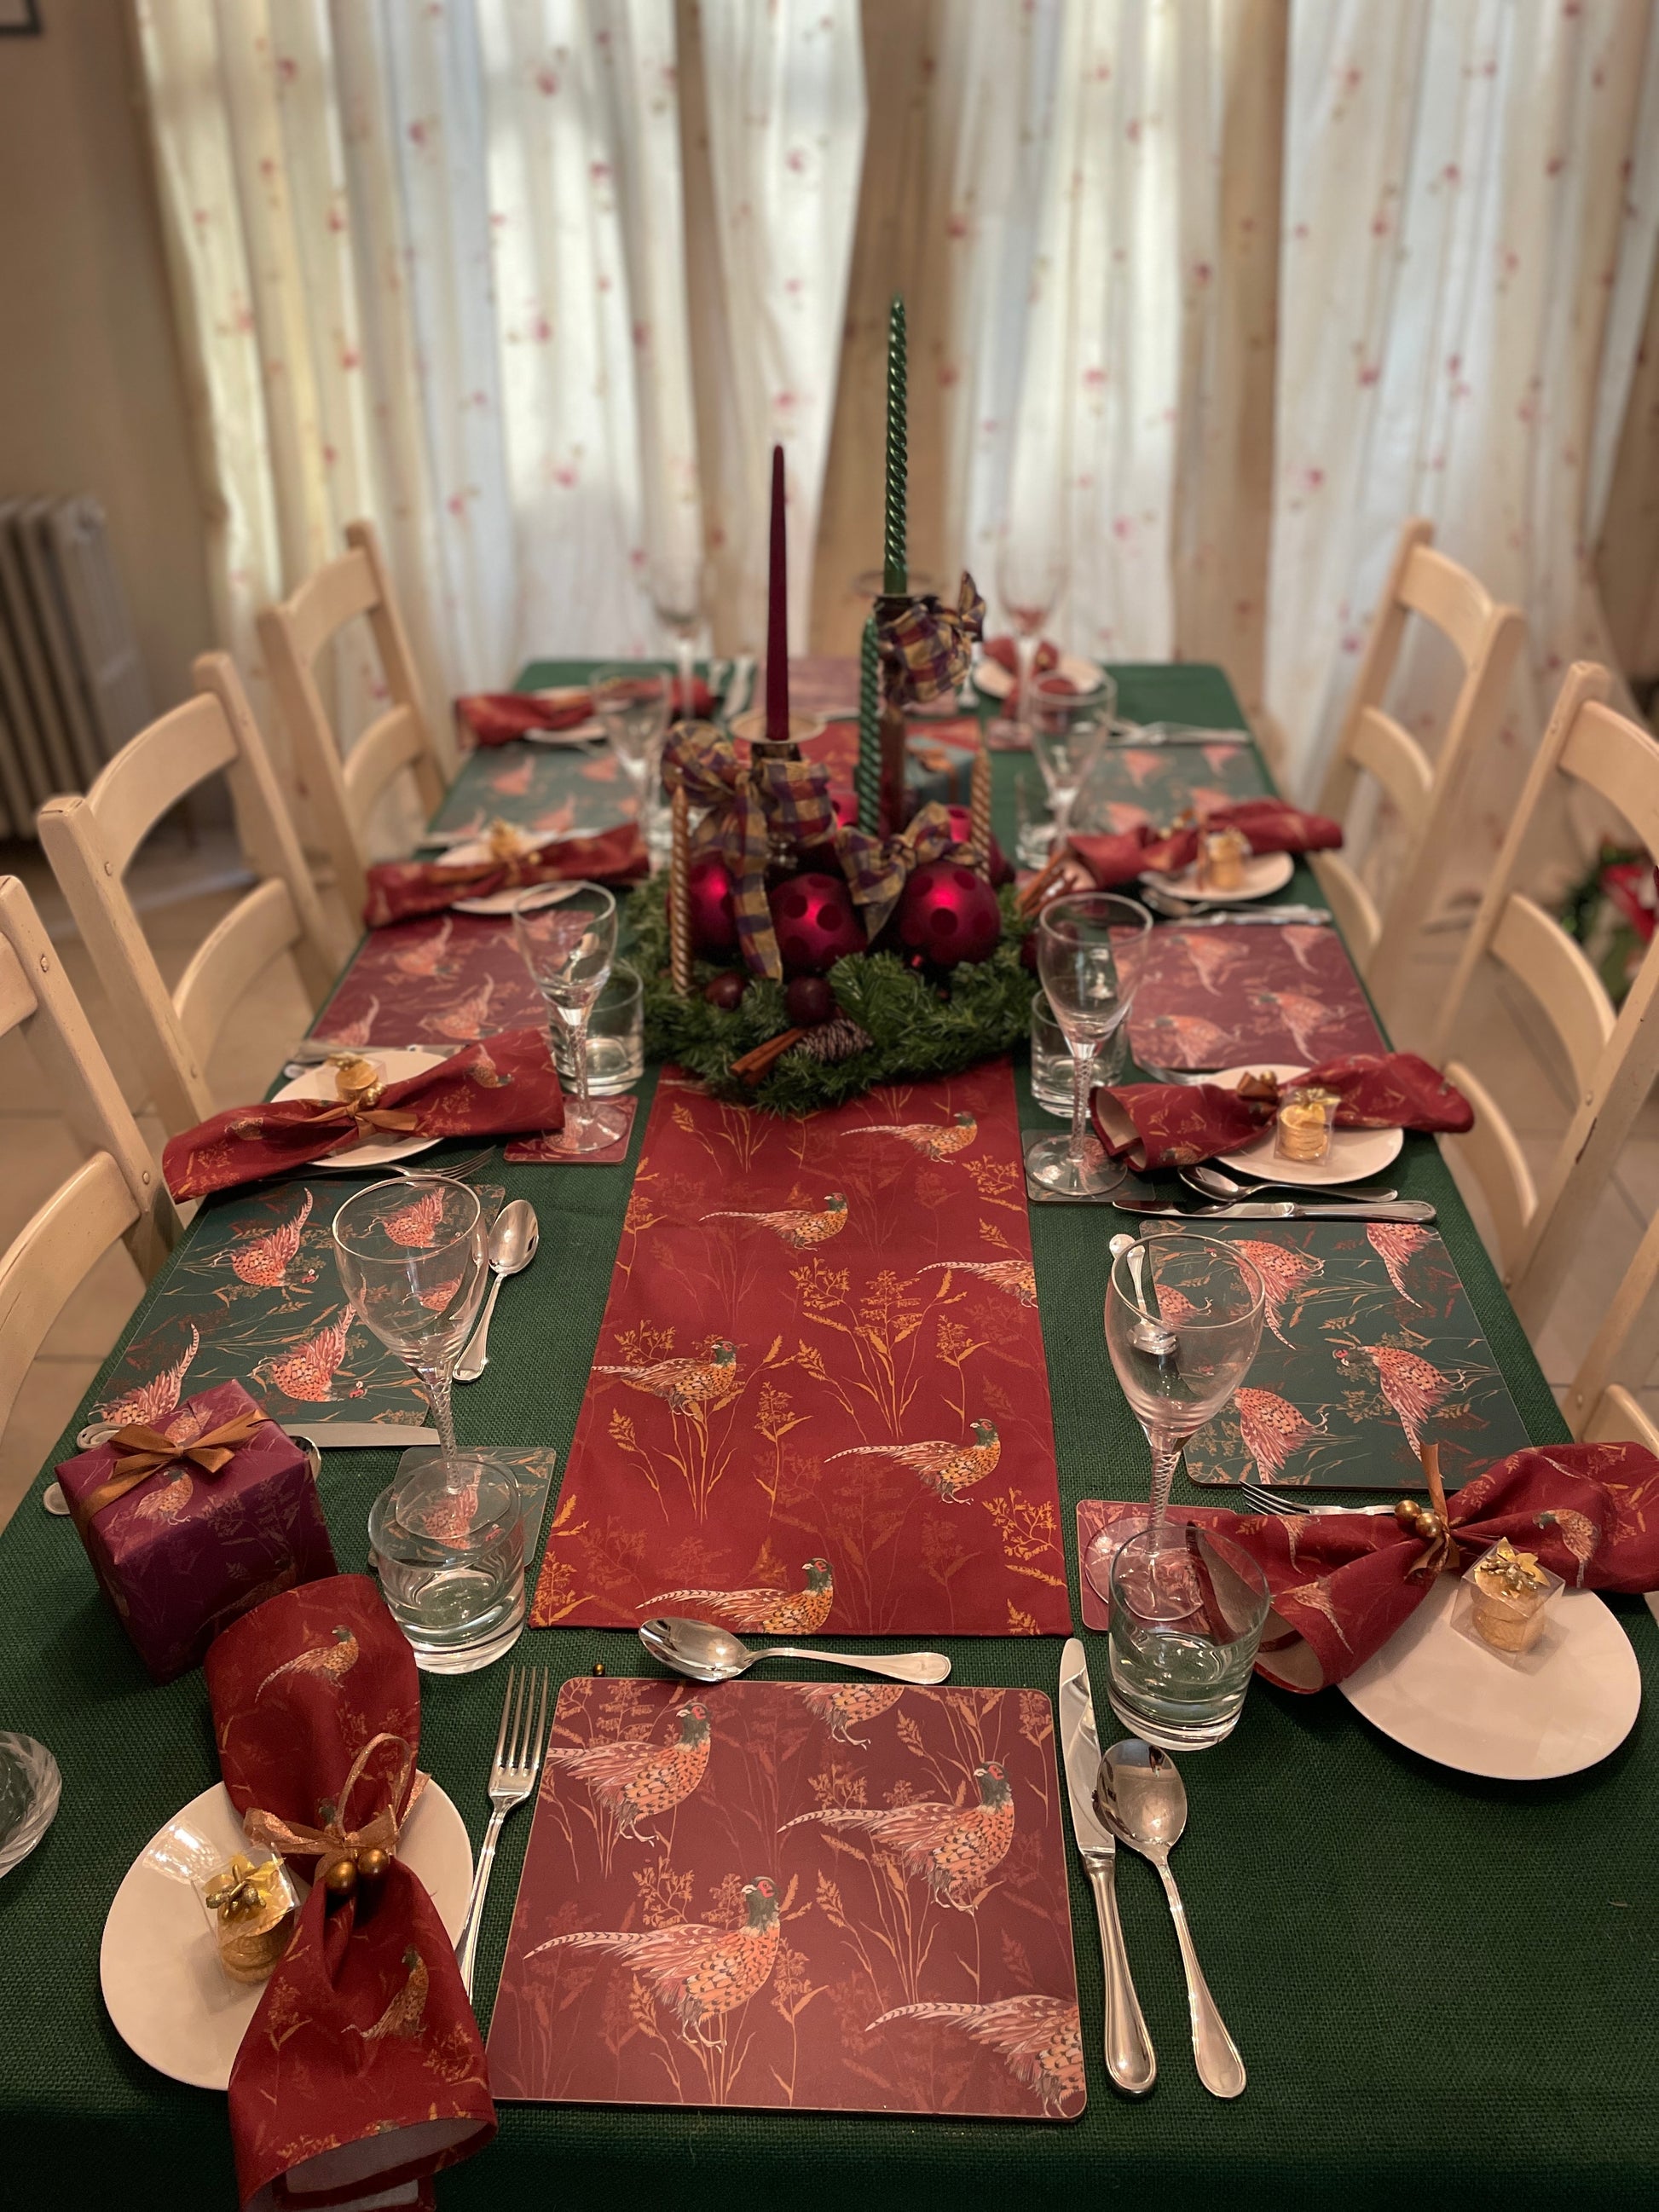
column 1219, row 997
column 831, row 1897
column 819, row 1400
column 444, row 981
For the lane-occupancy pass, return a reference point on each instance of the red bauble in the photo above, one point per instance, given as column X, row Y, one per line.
column 950, row 912
column 725, row 991
column 712, row 908
column 816, row 923
column 809, row 1001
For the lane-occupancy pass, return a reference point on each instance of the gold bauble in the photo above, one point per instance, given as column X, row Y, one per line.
column 372, row 1865
column 1407, row 1513
column 339, row 1877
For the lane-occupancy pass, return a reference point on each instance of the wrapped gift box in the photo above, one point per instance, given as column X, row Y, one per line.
column 185, row 1551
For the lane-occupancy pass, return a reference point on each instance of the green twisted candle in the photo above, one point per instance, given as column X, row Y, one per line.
column 866, row 776
column 895, row 576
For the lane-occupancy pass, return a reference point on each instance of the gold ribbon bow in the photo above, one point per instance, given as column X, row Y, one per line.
column 748, row 804
column 357, row 1088
column 878, row 868
column 1432, row 1522
column 334, row 1840
column 142, row 1451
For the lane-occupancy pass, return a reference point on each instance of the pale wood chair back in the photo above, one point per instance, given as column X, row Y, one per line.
column 1601, row 1406
column 1613, row 1056
column 116, row 1191
column 90, row 841
column 344, row 789
column 1426, row 795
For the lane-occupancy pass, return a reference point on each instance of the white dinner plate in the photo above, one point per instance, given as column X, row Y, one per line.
column 579, row 734
column 1570, row 1701
column 159, row 1966
column 506, row 902
column 1354, row 1154
column 374, row 1151
column 993, row 680
column 1264, row 872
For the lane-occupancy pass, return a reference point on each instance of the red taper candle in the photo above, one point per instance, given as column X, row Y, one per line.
column 777, row 618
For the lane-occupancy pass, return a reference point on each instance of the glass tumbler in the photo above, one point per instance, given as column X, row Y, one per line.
column 1051, row 1061
column 1187, row 1609
column 448, row 1543
column 616, row 1036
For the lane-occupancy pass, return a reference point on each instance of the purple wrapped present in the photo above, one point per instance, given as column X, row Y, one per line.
column 191, row 1525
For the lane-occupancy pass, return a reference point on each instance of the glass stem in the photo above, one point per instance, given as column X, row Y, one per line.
column 1081, row 1063
column 1025, row 653
column 1166, row 1456
column 579, row 1054
column 688, row 676
column 435, row 1375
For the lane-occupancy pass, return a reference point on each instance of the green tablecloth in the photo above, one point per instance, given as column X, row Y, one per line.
column 1441, row 1987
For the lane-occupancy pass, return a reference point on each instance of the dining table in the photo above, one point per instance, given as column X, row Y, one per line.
column 1443, row 1987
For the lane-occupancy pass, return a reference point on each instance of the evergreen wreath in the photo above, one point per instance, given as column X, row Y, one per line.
column 922, row 1023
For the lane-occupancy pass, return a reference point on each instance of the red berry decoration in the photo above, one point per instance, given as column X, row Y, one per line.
column 711, row 908
column 809, row 1001
column 725, row 991
column 816, row 923
column 950, row 912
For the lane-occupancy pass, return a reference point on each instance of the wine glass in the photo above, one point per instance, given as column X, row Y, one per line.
column 414, row 1256
column 568, row 950
column 1030, row 577
column 634, row 704
column 1068, row 729
column 677, row 592
column 1183, row 1320
column 1088, row 949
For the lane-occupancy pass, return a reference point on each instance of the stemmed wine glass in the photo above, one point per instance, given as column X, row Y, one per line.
column 1068, row 729
column 568, row 950
column 1183, row 1320
column 414, row 1256
column 1088, row 949
column 634, row 704
column 1030, row 577
column 677, row 593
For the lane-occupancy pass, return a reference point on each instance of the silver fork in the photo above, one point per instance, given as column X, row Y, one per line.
column 1262, row 1500
column 512, row 1778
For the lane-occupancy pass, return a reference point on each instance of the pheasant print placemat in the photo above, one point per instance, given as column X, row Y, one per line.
column 1131, row 786
column 557, row 791
column 832, row 1897
column 1218, row 997
column 819, row 1400
column 254, row 1296
column 440, row 982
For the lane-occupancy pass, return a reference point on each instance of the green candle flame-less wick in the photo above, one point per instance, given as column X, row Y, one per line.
column 895, row 572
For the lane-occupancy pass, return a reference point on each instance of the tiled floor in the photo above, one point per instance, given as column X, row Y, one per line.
column 183, row 886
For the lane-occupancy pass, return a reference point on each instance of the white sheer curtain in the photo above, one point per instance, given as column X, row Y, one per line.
column 430, row 266
column 1472, row 200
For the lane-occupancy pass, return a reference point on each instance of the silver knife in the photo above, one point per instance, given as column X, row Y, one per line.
column 1284, row 1209
column 1267, row 917
column 1130, row 2059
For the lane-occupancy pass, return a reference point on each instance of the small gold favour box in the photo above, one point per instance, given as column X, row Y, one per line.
column 251, row 1906
column 1222, row 857
column 1307, row 1118
column 1507, row 1596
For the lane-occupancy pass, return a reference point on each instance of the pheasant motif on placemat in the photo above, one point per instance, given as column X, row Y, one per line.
column 934, row 1140
column 697, row 1973
column 841, row 1705
column 954, row 1848
column 632, row 1781
column 152, row 1401
column 1016, row 1277
column 946, row 1467
column 686, row 1385
column 764, row 1612
column 799, row 1226
column 1040, row 2038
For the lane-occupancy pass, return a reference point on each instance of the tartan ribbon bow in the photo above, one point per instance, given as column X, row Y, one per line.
column 926, row 648
column 140, row 1451
column 748, row 804
column 878, row 868
column 334, row 1840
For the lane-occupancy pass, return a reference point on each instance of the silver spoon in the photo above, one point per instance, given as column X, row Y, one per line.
column 714, row 1654
column 1141, row 1798
column 1150, row 1335
column 513, row 1244
column 1215, row 1182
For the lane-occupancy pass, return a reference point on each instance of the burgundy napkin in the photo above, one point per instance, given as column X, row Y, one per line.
column 400, row 889
column 495, row 718
column 1173, row 1125
column 1343, row 1582
column 501, row 1085
column 362, row 2070
column 1006, row 654
column 1271, row 825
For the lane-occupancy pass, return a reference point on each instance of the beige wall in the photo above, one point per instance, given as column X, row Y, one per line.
column 92, row 395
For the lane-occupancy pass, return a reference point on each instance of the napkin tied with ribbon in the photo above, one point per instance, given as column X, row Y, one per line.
column 502, row 1085
column 363, row 2071
column 497, row 718
column 1175, row 1124
column 399, row 890
column 1271, row 825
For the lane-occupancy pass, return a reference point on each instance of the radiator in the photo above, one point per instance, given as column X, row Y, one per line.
column 72, row 689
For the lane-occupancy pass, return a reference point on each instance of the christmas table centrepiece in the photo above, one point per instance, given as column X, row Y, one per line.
column 363, row 2071
column 192, row 1514
column 1343, row 1582
column 506, row 1084
column 819, row 1398
column 1225, row 997
column 826, row 1897
column 515, row 860
column 1165, row 1125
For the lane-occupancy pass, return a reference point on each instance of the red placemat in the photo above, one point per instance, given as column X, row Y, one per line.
column 832, row 1897
column 1215, row 997
column 441, row 981
column 819, row 1399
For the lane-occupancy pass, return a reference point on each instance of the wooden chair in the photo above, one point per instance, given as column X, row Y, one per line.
column 1425, row 794
column 90, row 841
column 344, row 789
column 1613, row 1057
column 116, row 1192
column 1601, row 1408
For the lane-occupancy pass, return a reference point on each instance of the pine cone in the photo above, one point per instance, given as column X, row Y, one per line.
column 834, row 1040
